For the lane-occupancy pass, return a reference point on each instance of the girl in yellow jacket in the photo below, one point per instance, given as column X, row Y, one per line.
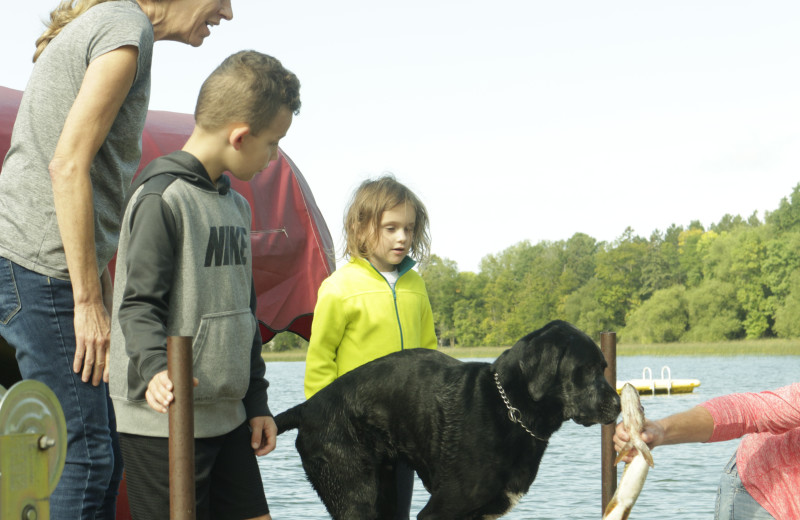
column 375, row 304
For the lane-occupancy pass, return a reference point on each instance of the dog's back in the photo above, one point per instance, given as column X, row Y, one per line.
column 359, row 388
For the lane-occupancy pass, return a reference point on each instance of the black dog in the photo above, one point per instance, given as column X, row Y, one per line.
column 474, row 432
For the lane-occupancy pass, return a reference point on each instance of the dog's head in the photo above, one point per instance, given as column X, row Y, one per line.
column 564, row 371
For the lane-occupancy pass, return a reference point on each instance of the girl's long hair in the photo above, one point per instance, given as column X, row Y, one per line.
column 363, row 218
column 66, row 11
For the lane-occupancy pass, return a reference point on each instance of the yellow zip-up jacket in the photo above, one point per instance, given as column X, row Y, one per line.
column 358, row 318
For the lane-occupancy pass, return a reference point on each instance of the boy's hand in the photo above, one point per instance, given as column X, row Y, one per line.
column 264, row 434
column 159, row 392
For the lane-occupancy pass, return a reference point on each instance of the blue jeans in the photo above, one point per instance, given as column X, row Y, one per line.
column 36, row 318
column 733, row 500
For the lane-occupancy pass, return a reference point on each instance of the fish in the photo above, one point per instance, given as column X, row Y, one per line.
column 633, row 421
column 635, row 473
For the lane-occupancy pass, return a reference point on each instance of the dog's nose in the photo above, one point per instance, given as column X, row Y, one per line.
column 616, row 408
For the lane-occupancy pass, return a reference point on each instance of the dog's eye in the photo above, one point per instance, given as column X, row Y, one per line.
column 582, row 377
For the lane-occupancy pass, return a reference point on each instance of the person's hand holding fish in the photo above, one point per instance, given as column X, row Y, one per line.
column 692, row 425
column 635, row 450
column 652, row 435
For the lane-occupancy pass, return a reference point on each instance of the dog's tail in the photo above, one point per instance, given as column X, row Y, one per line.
column 290, row 419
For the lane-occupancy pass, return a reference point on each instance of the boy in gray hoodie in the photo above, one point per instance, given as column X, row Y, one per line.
column 184, row 269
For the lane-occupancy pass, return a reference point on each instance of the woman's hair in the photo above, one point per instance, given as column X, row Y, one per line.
column 363, row 218
column 248, row 87
column 66, row 11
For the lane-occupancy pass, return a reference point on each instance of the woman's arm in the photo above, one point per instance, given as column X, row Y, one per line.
column 693, row 425
column 775, row 411
column 105, row 86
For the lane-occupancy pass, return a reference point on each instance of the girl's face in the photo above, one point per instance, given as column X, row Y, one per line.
column 394, row 238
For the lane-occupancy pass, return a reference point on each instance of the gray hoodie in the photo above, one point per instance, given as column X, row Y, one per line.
column 184, row 269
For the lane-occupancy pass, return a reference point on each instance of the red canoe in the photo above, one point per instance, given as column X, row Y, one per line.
column 292, row 247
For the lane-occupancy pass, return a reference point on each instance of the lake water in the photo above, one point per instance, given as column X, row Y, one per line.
column 682, row 484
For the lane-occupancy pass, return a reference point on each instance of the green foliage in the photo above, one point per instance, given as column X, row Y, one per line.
column 663, row 318
column 787, row 216
column 690, row 256
column 738, row 279
column 619, row 275
column 441, row 277
column 662, row 262
column 583, row 310
column 578, row 262
column 787, row 315
column 468, row 309
column 714, row 312
column 284, row 341
column 781, row 260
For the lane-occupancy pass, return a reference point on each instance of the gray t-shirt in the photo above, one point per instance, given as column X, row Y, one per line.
column 29, row 233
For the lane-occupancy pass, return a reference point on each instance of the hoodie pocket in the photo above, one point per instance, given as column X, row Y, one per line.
column 222, row 355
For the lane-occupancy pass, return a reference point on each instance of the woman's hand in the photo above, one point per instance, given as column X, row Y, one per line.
column 652, row 434
column 92, row 336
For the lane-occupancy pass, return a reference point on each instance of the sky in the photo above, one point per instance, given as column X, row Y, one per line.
column 515, row 120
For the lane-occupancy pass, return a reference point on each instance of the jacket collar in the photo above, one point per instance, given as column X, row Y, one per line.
column 402, row 268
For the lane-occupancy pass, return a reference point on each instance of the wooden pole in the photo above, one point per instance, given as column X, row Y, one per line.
column 181, row 429
column 608, row 344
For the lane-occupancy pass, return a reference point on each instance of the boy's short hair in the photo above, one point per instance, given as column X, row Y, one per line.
column 248, row 87
column 363, row 217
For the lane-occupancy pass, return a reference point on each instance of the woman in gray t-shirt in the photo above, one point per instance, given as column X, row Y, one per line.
column 74, row 150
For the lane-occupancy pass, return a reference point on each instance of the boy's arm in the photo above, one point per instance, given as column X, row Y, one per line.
column 255, row 400
column 327, row 331
column 145, row 304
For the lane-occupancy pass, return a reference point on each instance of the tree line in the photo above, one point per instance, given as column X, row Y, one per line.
column 738, row 279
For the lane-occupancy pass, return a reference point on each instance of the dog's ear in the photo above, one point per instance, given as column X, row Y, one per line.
column 539, row 366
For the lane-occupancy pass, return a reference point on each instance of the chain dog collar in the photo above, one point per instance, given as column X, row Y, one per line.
column 514, row 415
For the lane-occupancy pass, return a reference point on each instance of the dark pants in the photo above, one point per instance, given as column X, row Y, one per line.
column 397, row 486
column 405, row 489
column 227, row 479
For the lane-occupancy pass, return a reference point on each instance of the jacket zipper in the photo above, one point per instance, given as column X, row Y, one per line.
column 394, row 299
column 397, row 315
